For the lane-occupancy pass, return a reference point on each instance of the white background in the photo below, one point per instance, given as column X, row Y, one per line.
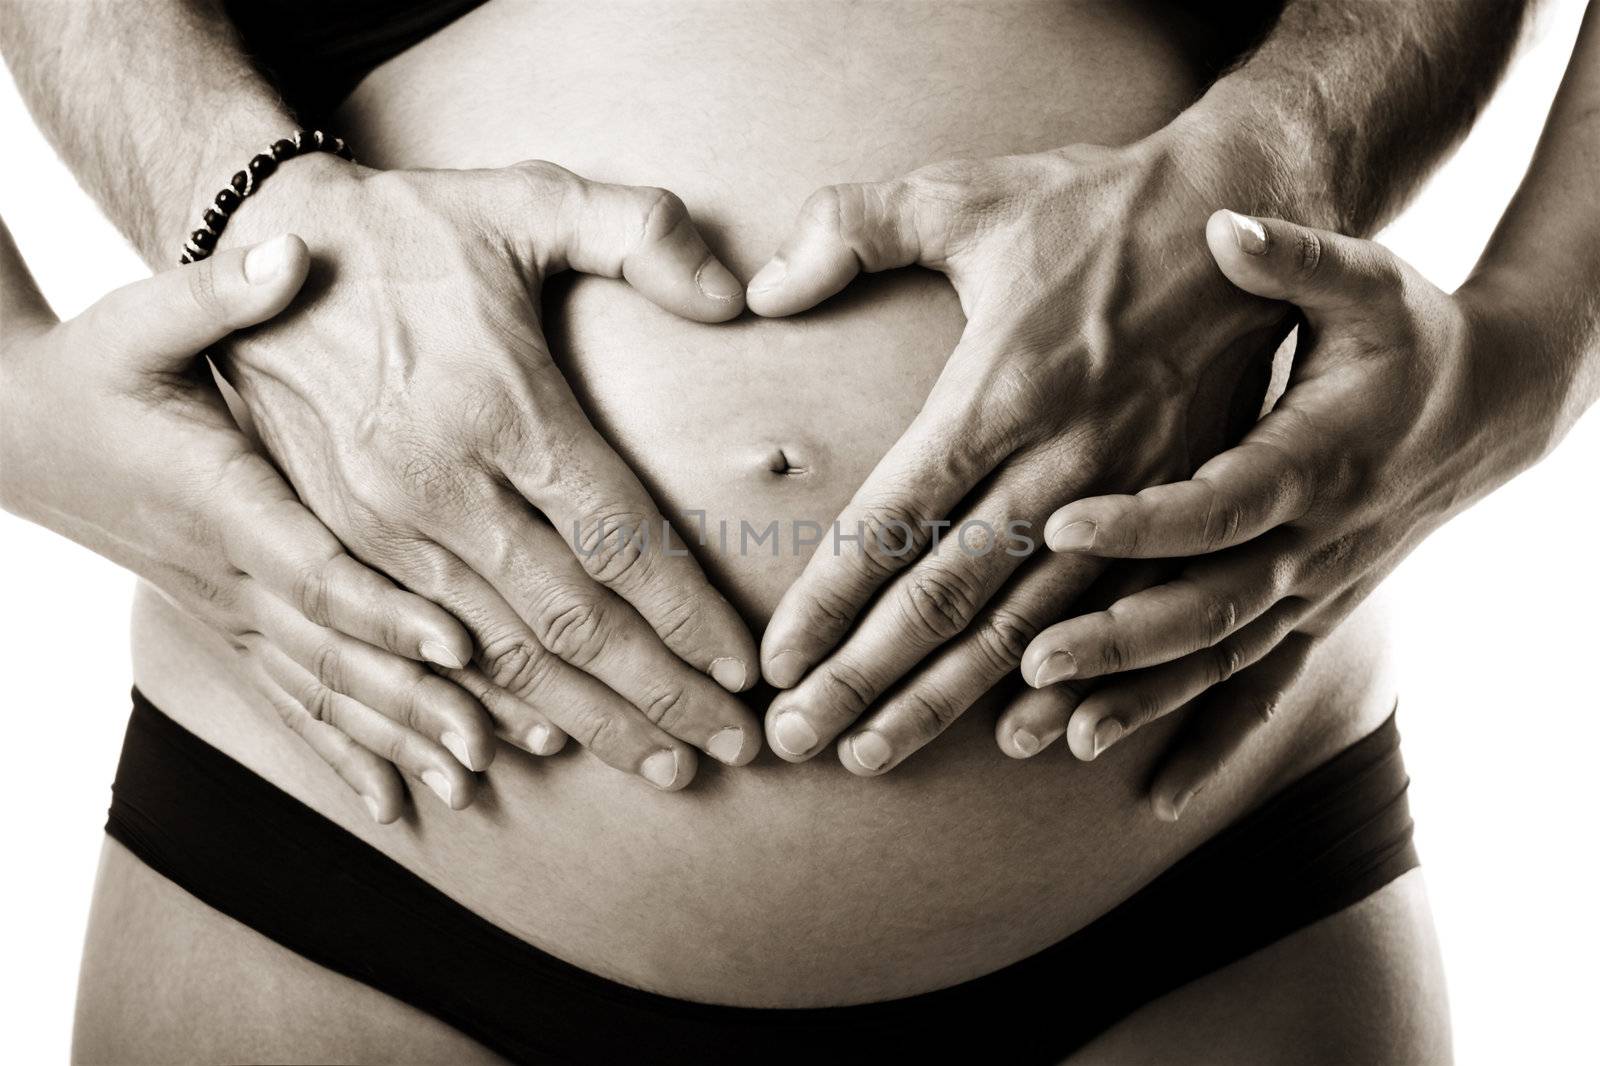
column 1496, row 626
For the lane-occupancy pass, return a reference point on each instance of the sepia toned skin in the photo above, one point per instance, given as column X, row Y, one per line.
column 776, row 884
column 767, row 884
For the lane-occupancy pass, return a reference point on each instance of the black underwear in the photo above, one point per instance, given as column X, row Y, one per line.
column 248, row 849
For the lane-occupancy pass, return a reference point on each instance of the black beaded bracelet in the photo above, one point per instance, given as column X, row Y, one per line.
column 203, row 241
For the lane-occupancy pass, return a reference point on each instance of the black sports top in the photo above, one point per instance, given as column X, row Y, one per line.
column 317, row 51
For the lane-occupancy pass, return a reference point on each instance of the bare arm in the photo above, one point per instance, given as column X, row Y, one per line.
column 428, row 473
column 1544, row 257
column 1101, row 348
column 152, row 104
column 1491, row 377
column 1346, row 105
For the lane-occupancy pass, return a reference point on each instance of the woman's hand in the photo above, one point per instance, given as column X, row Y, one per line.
column 1405, row 405
column 116, row 436
column 412, row 402
column 1100, row 348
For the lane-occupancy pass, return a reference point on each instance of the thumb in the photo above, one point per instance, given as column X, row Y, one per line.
column 1313, row 269
column 646, row 237
column 842, row 230
column 164, row 322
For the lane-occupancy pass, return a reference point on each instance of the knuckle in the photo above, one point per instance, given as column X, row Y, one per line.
column 1219, row 616
column 928, row 712
column 1003, row 637
column 574, row 629
column 1013, row 395
column 327, row 664
column 824, row 209
column 1308, row 252
column 669, row 707
column 677, row 622
column 1114, row 653
column 384, row 618
column 313, row 593
column 831, row 613
column 613, row 547
column 415, row 690
column 845, row 679
column 317, row 699
column 514, row 664
column 431, row 479
column 955, row 185
column 661, row 213
column 939, row 603
column 1225, row 661
column 601, row 732
column 1223, row 520
column 892, row 532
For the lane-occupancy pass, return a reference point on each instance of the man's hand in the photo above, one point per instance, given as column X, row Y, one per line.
column 412, row 402
column 1098, row 334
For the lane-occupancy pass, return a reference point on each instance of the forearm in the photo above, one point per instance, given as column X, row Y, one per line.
column 1347, row 104
column 1541, row 271
column 152, row 104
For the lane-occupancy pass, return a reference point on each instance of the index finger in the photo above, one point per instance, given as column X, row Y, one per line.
column 954, row 442
column 1235, row 497
column 607, row 519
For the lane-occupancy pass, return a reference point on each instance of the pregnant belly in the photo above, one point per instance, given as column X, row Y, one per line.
column 774, row 884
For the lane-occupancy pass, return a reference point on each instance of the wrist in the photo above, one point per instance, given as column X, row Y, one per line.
column 1538, row 362
column 274, row 199
column 1256, row 157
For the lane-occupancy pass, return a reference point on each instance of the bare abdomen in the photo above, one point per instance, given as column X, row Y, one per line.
column 774, row 884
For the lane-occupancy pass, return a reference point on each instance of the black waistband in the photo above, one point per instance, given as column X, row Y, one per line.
column 253, row 852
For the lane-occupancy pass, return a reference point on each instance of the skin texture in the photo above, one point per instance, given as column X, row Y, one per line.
column 1406, row 405
column 1096, row 326
column 414, row 404
column 673, row 898
column 773, row 883
column 1328, row 994
column 166, row 485
column 465, row 439
column 997, row 227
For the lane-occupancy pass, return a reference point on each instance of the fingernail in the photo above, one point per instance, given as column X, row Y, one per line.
column 770, row 276
column 1248, row 233
column 439, row 655
column 1025, row 742
column 786, row 669
column 267, row 260
column 661, row 769
column 729, row 672
column 794, row 734
column 714, row 280
column 539, row 740
column 1057, row 666
column 440, row 783
column 457, row 746
column 726, row 745
column 1073, row 537
column 1106, row 733
column 871, row 750
column 372, row 808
